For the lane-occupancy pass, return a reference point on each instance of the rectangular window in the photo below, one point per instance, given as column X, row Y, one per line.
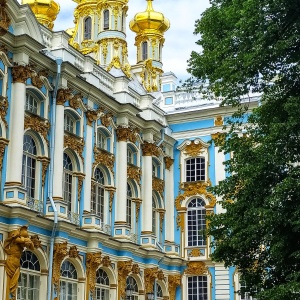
column 197, row 288
column 166, row 87
column 128, row 212
column 168, row 100
column 195, row 169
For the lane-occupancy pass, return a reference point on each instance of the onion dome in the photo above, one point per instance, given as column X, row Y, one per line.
column 149, row 21
column 45, row 11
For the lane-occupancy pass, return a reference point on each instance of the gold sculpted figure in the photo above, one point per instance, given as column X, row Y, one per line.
column 13, row 246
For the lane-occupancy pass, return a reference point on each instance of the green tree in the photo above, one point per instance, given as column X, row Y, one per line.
column 253, row 46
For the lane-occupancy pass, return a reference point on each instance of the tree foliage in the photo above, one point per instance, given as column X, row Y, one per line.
column 253, row 46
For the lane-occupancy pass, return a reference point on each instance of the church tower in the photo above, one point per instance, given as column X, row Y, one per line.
column 45, row 11
column 149, row 27
column 100, row 32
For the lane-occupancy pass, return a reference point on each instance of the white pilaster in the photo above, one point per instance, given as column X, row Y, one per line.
column 169, row 192
column 222, row 282
column 58, row 153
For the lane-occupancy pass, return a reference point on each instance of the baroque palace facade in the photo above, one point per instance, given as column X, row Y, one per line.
column 104, row 165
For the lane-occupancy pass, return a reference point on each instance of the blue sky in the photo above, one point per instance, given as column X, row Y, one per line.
column 179, row 39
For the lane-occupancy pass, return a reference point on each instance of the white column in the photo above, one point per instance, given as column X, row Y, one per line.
column 121, row 181
column 3, row 282
column 88, row 166
column 169, row 192
column 16, row 132
column 147, row 194
column 58, row 153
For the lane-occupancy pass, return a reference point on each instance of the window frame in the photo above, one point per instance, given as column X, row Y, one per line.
column 191, row 296
column 87, row 28
column 98, row 194
column 192, row 167
column 68, row 178
column 68, row 280
column 99, row 287
column 144, row 47
column 106, row 19
column 31, row 97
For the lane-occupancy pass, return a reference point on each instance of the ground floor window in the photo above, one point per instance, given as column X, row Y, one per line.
column 197, row 288
column 68, row 282
column 102, row 285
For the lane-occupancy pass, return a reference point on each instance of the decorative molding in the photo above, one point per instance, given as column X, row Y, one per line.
column 37, row 124
column 137, row 207
column 168, row 162
column 135, row 173
column 124, row 268
column 218, row 121
column 37, row 79
column 3, row 144
column 14, row 245
column 150, row 149
column 193, row 148
column 74, row 143
column 192, row 189
column 196, row 268
column 125, row 134
column 60, row 252
column 106, row 119
column 160, row 275
column 158, row 185
column 36, row 242
column 21, row 73
column 106, row 262
column 135, row 269
column 105, row 158
column 218, row 138
column 4, row 18
column 91, row 116
column 150, row 274
column 111, row 191
column 173, row 282
column 73, row 252
column 196, row 252
column 80, row 178
column 3, row 109
column 45, row 163
column 161, row 218
column 63, row 95
column 93, row 261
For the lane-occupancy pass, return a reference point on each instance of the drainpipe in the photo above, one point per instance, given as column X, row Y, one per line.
column 50, row 190
column 162, row 137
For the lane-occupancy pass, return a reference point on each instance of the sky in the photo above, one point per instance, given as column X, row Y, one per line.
column 179, row 39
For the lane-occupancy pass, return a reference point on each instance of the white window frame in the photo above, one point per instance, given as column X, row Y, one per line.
column 69, row 282
column 100, row 287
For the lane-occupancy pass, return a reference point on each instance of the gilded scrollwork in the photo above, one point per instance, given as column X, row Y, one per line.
column 150, row 274
column 173, row 282
column 150, row 149
column 105, row 158
column 21, row 73
column 160, row 275
column 3, row 109
column 168, row 162
column 93, row 261
column 76, row 101
column 60, row 252
column 137, row 208
column 111, row 191
column 124, row 268
column 91, row 116
column 219, row 138
column 134, row 172
column 158, row 185
column 180, row 221
column 4, row 18
column 106, row 119
column 63, row 95
column 75, row 144
column 37, row 124
column 135, row 269
column 36, row 242
column 73, row 252
column 37, row 79
column 3, row 144
column 219, row 121
column 161, row 219
column 193, row 149
column 106, row 262
column 125, row 134
column 196, row 252
column 196, row 268
column 80, row 178
column 45, row 163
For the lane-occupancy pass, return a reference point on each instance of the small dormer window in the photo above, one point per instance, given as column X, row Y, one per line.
column 88, row 28
column 144, row 50
column 106, row 19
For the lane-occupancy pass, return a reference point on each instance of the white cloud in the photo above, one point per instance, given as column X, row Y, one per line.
column 179, row 39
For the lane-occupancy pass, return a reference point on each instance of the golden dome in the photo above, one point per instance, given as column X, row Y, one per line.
column 149, row 21
column 45, row 11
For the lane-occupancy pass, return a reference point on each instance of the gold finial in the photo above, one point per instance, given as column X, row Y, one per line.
column 45, row 11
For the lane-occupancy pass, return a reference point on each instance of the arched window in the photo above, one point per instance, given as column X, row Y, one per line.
column 106, row 19
column 97, row 205
column 129, row 205
column 102, row 285
column 68, row 281
column 29, row 280
column 69, row 123
column 132, row 285
column 195, row 169
column 101, row 140
column 144, row 50
column 197, row 288
column 68, row 181
column 29, row 165
column 196, row 223
column 31, row 103
column 87, row 28
column 159, row 293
